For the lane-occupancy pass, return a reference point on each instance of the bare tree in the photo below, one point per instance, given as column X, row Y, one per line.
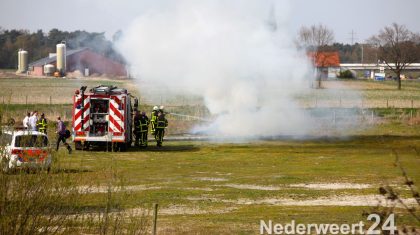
column 397, row 47
column 315, row 39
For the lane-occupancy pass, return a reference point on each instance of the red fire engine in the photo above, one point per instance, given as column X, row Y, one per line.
column 103, row 116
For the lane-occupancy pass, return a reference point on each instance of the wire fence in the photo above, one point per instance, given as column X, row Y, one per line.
column 17, row 106
column 360, row 103
column 313, row 102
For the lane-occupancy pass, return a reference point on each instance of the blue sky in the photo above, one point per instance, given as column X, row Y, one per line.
column 364, row 17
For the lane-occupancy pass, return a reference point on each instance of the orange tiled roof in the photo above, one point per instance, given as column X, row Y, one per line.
column 325, row 59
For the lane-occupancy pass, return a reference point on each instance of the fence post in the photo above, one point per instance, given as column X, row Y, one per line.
column 26, row 100
column 155, row 212
column 371, row 117
column 412, row 104
column 50, row 101
column 411, row 115
column 386, row 103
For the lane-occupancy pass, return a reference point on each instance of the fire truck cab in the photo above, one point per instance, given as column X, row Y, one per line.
column 103, row 116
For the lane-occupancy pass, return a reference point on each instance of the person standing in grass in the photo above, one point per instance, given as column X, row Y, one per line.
column 42, row 124
column 143, row 127
column 25, row 121
column 153, row 120
column 137, row 132
column 62, row 134
column 33, row 120
column 161, row 124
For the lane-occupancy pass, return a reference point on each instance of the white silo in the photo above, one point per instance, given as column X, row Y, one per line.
column 22, row 61
column 61, row 58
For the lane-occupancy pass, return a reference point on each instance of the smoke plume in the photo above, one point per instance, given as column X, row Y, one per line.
column 239, row 55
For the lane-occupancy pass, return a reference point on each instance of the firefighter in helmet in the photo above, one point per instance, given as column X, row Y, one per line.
column 143, row 129
column 136, row 128
column 153, row 118
column 42, row 124
column 161, row 124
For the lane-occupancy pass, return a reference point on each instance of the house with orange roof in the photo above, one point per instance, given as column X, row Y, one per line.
column 326, row 63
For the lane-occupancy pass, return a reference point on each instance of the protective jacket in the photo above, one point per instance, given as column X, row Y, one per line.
column 153, row 120
column 143, row 124
column 42, row 125
column 161, row 122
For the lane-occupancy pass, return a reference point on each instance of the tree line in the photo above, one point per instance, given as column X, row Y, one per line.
column 393, row 44
column 39, row 44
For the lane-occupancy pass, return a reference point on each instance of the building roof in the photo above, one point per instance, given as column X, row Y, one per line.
column 325, row 59
column 49, row 60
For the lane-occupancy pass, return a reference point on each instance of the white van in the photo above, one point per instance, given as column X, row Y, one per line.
column 24, row 149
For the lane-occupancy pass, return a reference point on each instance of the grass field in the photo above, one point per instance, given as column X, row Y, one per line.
column 222, row 188
column 351, row 92
column 211, row 187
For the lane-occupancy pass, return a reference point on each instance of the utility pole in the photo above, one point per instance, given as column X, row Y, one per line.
column 272, row 19
column 362, row 53
column 353, row 36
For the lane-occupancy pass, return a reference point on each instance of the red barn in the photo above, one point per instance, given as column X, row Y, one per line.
column 82, row 60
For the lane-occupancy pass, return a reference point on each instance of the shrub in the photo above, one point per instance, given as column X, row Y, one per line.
column 346, row 74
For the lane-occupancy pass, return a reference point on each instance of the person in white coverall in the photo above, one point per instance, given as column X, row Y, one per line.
column 25, row 121
column 33, row 120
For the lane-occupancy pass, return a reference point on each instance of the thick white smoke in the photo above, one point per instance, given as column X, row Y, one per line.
column 239, row 55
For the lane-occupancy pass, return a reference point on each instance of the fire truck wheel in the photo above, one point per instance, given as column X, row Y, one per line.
column 115, row 147
column 81, row 146
column 78, row 145
column 123, row 147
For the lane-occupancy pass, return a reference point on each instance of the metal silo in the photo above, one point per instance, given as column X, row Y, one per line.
column 22, row 61
column 61, row 58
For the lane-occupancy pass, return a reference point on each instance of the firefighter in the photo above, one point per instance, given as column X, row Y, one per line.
column 161, row 124
column 161, row 109
column 143, row 128
column 42, row 124
column 153, row 118
column 136, row 128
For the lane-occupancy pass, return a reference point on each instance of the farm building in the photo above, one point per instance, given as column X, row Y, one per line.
column 83, row 60
column 327, row 63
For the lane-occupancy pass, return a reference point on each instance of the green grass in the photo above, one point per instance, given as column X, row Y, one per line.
column 173, row 172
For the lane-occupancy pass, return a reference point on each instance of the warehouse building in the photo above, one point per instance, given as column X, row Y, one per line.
column 82, row 60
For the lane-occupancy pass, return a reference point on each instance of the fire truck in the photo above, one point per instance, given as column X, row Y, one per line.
column 103, row 116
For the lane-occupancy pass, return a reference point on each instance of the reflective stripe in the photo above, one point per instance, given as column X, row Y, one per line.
column 143, row 127
column 43, row 124
column 161, row 124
